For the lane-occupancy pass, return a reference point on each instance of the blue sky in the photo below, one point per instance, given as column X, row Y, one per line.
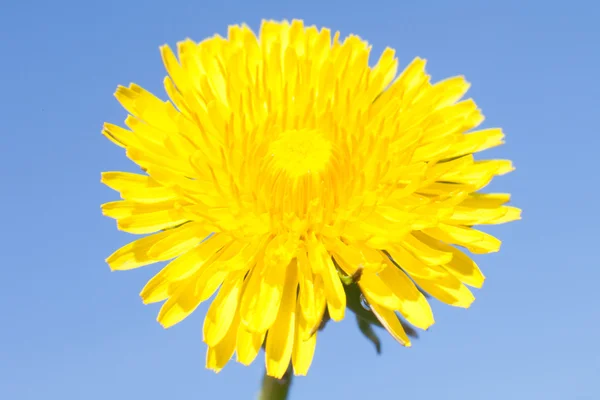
column 71, row 329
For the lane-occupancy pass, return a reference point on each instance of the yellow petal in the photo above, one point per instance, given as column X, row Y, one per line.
column 487, row 200
column 425, row 253
column 376, row 230
column 434, row 279
column 125, row 208
column 189, row 294
column 223, row 309
column 151, row 222
column 180, row 304
column 157, row 289
column 348, row 258
column 119, row 136
column 461, row 265
column 185, row 238
column 384, row 70
column 446, row 189
column 411, row 80
column 306, row 291
column 136, row 187
column 390, row 322
column 447, row 92
column 354, row 256
column 476, row 241
column 449, row 121
column 322, row 265
column 262, row 295
column 412, row 265
column 169, row 178
column 147, row 159
column 219, row 355
column 280, row 340
column 433, row 150
column 147, row 107
column 475, row 142
column 465, row 269
column 512, row 214
column 240, row 255
column 413, row 305
column 313, row 321
column 173, row 68
column 140, row 218
column 178, row 99
column 210, row 279
column 441, row 168
column 136, row 254
column 447, row 289
column 378, row 291
column 478, row 216
column 304, row 349
column 479, row 174
column 248, row 345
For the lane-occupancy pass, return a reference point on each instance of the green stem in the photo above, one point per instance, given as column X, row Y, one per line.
column 276, row 389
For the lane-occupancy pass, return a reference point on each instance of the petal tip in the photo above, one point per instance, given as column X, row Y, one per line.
column 465, row 303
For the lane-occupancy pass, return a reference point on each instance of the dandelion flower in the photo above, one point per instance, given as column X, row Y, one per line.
column 284, row 164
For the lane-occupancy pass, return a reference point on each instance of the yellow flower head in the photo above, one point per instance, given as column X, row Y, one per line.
column 307, row 166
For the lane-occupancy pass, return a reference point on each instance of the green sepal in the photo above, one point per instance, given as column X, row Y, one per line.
column 367, row 329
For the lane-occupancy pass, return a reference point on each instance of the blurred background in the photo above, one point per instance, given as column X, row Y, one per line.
column 71, row 329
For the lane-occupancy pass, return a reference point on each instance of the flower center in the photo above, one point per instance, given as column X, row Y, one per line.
column 300, row 152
